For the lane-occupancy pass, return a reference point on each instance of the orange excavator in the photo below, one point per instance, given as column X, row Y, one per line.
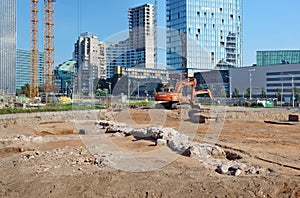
column 174, row 97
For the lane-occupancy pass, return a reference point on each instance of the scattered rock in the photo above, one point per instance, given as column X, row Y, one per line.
column 161, row 142
column 82, row 132
column 237, row 172
column 179, row 143
column 205, row 150
column 242, row 167
column 117, row 135
column 232, row 156
column 223, row 169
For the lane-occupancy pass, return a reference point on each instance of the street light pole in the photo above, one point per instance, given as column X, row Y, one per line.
column 250, row 82
column 281, row 94
column 293, row 91
column 128, row 88
column 109, row 86
column 138, row 89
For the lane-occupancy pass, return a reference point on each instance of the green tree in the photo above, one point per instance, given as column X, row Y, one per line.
column 200, row 87
column 223, row 92
column 278, row 94
column 247, row 95
column 235, row 93
column 263, row 93
column 25, row 89
column 297, row 94
column 212, row 89
column 154, row 92
column 101, row 92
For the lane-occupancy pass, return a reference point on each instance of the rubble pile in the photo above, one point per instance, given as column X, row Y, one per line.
column 72, row 159
column 212, row 155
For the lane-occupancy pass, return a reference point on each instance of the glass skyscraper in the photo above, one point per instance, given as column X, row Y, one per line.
column 204, row 34
column 8, row 46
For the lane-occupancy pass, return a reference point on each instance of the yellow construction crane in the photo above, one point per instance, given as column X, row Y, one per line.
column 34, row 49
column 48, row 47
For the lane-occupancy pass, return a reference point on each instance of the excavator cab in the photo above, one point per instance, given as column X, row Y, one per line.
column 167, row 89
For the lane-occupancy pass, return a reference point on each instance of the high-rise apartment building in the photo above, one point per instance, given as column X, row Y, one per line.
column 204, row 34
column 8, row 46
column 276, row 57
column 23, row 68
column 142, row 36
column 90, row 55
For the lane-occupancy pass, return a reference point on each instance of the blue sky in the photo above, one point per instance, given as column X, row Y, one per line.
column 267, row 24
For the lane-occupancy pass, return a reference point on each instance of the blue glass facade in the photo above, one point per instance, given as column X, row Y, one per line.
column 276, row 57
column 202, row 34
column 116, row 55
column 23, row 68
column 8, row 46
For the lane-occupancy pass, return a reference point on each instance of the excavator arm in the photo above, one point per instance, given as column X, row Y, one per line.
column 202, row 92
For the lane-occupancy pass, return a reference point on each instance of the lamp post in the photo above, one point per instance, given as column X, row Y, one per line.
column 138, row 89
column 293, row 91
column 281, row 94
column 250, row 82
column 6, row 95
column 128, row 88
column 109, row 86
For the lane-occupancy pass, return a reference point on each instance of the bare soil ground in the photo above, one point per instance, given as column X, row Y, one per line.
column 43, row 155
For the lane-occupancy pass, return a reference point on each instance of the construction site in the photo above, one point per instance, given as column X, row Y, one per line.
column 172, row 146
column 141, row 151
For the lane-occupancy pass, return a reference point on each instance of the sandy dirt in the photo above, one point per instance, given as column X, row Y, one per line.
column 55, row 155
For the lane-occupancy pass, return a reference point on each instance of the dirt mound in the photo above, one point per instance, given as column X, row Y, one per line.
column 55, row 128
column 5, row 152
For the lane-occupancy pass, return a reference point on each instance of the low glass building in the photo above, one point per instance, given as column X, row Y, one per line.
column 276, row 57
column 23, row 68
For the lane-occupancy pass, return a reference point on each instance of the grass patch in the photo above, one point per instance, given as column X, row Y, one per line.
column 141, row 102
column 48, row 108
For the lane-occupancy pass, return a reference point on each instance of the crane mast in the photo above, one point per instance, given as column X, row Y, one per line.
column 34, row 49
column 49, row 45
